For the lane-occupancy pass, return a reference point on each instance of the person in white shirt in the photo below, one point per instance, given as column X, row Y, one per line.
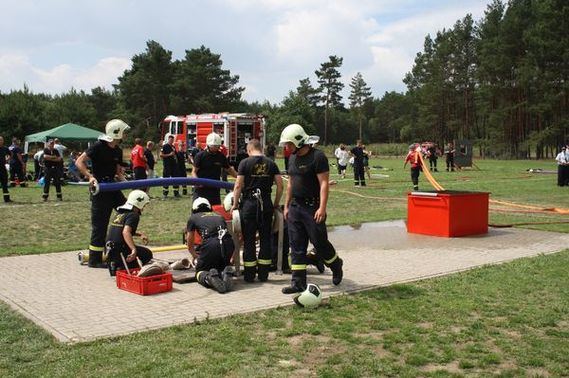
column 562, row 160
column 337, row 155
column 343, row 157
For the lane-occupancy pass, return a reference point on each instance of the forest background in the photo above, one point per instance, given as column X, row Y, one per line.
column 501, row 82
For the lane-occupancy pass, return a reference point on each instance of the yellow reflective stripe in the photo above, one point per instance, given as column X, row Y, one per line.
column 93, row 248
column 249, row 263
column 332, row 259
column 198, row 274
column 265, row 262
column 298, row 267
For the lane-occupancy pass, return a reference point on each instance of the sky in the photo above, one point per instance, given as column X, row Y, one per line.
column 53, row 46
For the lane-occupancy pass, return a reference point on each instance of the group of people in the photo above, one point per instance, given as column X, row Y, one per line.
column 304, row 209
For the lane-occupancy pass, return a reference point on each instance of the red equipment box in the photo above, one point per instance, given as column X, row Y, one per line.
column 447, row 213
column 159, row 283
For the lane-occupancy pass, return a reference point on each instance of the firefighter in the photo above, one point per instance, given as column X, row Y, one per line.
column 208, row 164
column 106, row 160
column 52, row 161
column 17, row 164
column 170, row 160
column 255, row 177
column 4, row 151
column 305, row 206
column 123, row 229
column 359, row 170
column 181, row 157
column 416, row 167
column 212, row 257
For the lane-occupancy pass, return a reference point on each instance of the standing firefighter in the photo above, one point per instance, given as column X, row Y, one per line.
column 123, row 229
column 4, row 151
column 106, row 159
column 52, row 161
column 170, row 160
column 214, row 253
column 208, row 164
column 305, row 206
column 255, row 178
column 415, row 160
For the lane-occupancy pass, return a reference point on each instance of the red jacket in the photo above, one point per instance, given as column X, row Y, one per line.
column 414, row 159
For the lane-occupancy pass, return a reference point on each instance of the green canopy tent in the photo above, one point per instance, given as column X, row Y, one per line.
column 69, row 132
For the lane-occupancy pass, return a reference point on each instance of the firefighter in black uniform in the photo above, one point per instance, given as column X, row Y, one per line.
column 4, row 151
column 52, row 162
column 213, row 254
column 106, row 159
column 181, row 157
column 255, row 177
column 170, row 160
column 305, row 206
column 208, row 164
column 359, row 170
column 123, row 229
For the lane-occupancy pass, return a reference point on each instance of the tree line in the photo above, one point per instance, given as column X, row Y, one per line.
column 501, row 81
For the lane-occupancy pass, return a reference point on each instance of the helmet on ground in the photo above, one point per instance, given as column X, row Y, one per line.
column 114, row 129
column 213, row 139
column 201, row 203
column 311, row 297
column 228, row 201
column 294, row 134
column 137, row 198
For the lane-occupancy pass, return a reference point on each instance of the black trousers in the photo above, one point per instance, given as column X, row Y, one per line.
column 213, row 254
column 102, row 206
column 17, row 172
column 52, row 173
column 433, row 163
column 4, row 182
column 254, row 222
column 359, row 174
column 415, row 172
column 170, row 171
column 211, row 194
column 302, row 228
column 114, row 256
column 450, row 163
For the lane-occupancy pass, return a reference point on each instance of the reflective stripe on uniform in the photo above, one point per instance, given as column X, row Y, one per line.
column 198, row 274
column 96, row 249
column 264, row 261
column 332, row 259
column 248, row 264
column 298, row 267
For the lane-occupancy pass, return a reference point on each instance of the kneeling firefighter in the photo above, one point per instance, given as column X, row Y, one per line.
column 122, row 231
column 212, row 258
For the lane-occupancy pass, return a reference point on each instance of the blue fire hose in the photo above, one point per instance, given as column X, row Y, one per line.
column 168, row 181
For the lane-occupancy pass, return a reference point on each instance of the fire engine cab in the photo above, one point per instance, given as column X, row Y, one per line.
column 235, row 129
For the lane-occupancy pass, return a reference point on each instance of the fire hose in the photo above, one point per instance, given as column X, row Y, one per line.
column 169, row 181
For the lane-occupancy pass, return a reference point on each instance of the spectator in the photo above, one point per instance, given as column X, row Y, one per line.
column 150, row 160
column 52, row 162
column 4, row 152
column 138, row 160
column 17, row 163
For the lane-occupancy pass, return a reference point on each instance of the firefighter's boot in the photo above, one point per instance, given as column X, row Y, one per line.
column 263, row 272
column 213, row 279
column 297, row 283
column 96, row 260
column 249, row 273
column 315, row 260
column 227, row 277
column 337, row 271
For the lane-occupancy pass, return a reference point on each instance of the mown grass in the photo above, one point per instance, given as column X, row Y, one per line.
column 32, row 226
column 510, row 320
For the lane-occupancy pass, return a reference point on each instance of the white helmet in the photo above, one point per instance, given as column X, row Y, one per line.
column 199, row 202
column 213, row 139
column 114, row 129
column 136, row 198
column 295, row 134
column 311, row 297
column 228, row 201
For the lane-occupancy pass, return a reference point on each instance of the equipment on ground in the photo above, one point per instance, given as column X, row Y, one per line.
column 311, row 297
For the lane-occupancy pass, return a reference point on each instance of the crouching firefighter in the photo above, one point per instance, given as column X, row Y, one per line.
column 305, row 206
column 122, row 231
column 255, row 177
column 212, row 258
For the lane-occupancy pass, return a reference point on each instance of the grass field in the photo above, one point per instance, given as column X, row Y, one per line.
column 510, row 320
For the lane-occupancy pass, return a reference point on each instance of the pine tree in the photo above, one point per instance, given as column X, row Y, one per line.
column 359, row 96
column 330, row 87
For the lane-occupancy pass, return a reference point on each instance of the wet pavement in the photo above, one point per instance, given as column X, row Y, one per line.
column 76, row 304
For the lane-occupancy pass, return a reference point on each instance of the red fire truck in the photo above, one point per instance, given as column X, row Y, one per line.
column 235, row 129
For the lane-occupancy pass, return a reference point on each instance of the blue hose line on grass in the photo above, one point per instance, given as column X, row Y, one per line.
column 168, row 181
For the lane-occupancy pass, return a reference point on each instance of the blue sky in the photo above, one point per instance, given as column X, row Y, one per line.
column 51, row 46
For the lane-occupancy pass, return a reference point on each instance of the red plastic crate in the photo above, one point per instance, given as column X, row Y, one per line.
column 159, row 283
column 447, row 213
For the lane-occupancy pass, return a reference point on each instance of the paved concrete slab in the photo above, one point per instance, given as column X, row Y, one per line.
column 75, row 303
